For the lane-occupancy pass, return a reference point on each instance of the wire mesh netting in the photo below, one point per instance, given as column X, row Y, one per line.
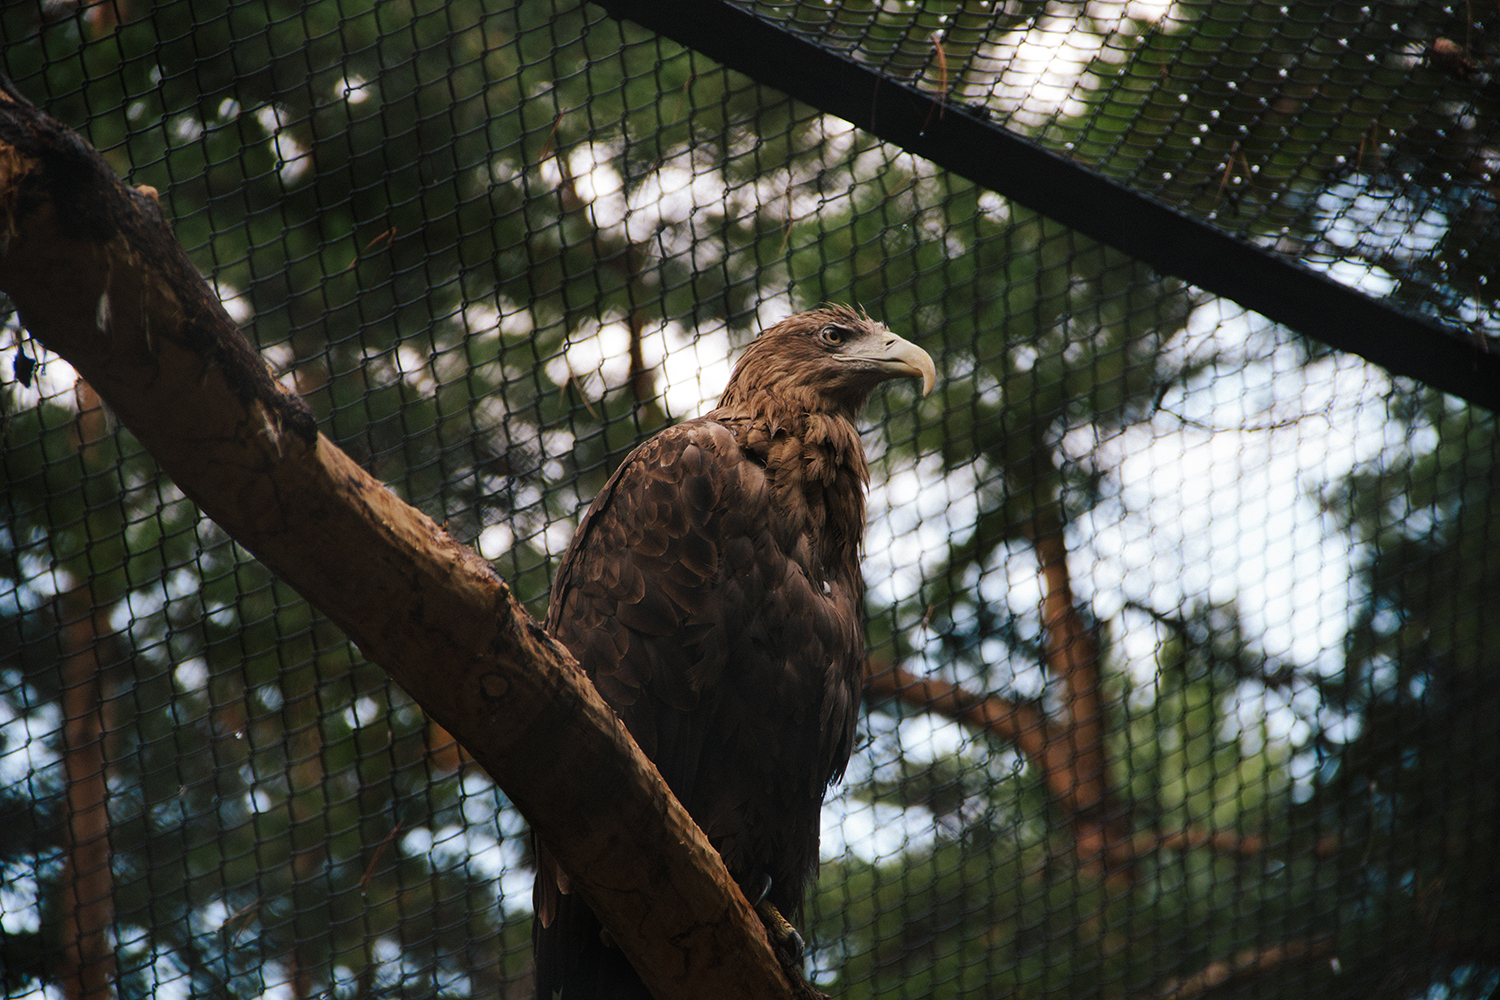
column 1356, row 138
column 1184, row 673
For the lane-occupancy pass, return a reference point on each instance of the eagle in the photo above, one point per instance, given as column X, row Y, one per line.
column 713, row 594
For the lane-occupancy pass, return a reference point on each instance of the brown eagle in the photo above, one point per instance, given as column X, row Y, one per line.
column 713, row 595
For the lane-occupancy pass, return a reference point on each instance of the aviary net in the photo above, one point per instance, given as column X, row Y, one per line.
column 1184, row 659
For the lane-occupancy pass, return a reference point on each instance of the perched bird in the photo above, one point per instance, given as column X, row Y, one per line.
column 713, row 595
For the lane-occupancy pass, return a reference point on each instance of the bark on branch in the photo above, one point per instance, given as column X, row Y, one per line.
column 98, row 278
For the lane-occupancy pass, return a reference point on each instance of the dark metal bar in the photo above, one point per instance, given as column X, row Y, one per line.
column 1173, row 243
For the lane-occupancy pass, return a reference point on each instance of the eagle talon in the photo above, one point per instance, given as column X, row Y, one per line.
column 785, row 941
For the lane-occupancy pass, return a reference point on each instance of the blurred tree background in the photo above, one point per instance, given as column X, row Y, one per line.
column 1183, row 677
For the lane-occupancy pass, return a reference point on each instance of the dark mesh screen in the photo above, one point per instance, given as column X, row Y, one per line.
column 1184, row 630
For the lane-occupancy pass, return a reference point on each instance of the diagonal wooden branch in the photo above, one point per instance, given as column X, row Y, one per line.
column 98, row 277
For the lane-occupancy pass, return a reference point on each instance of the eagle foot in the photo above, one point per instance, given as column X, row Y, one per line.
column 785, row 941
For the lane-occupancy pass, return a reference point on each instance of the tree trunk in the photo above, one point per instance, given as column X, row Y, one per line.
column 88, row 911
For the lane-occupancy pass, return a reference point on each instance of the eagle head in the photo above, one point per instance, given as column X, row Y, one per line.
column 825, row 360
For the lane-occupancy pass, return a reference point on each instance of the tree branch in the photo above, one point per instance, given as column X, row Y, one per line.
column 87, row 970
column 1072, row 651
column 88, row 909
column 1069, row 750
column 1018, row 723
column 1250, row 962
column 1245, row 845
column 98, row 277
column 1023, row 726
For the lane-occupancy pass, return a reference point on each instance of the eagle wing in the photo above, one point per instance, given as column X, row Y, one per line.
column 694, row 602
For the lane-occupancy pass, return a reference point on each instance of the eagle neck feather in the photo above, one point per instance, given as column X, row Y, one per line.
column 816, row 468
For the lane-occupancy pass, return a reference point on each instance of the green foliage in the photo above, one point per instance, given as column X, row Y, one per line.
column 996, row 905
column 1413, row 790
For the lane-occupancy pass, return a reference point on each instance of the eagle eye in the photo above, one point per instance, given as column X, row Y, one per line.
column 833, row 336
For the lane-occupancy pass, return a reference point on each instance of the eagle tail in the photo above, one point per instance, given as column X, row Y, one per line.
column 574, row 961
